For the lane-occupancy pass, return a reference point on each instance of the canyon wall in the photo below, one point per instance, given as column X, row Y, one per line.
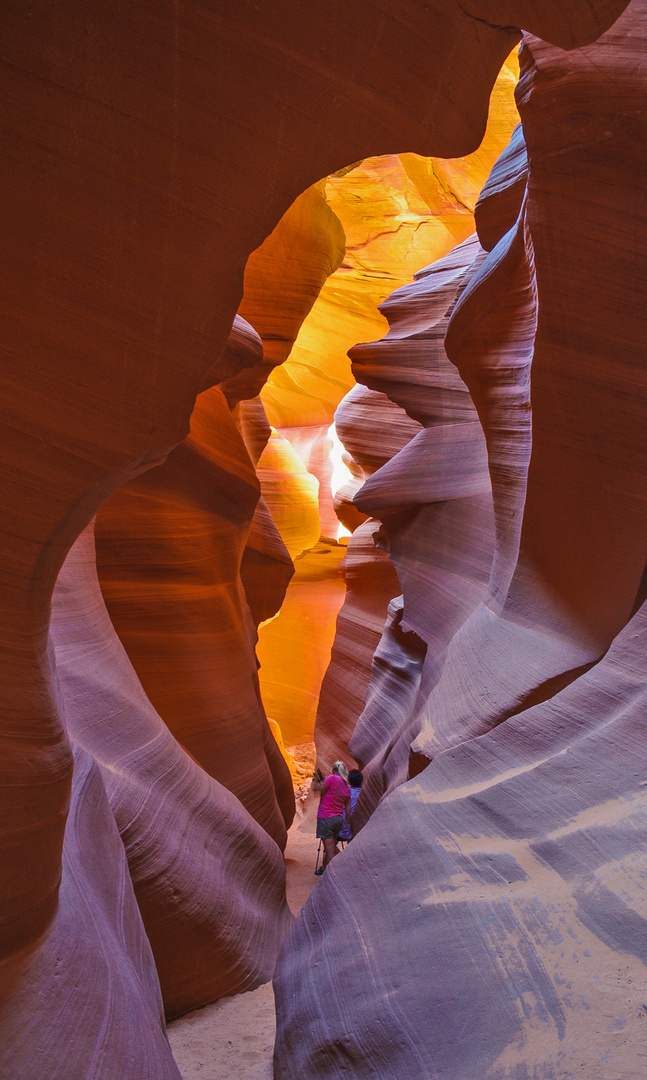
column 148, row 151
column 435, row 503
column 398, row 213
column 501, row 933
column 169, row 550
column 208, row 880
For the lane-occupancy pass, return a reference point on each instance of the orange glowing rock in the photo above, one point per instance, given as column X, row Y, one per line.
column 314, row 446
column 169, row 547
column 398, row 214
column 151, row 148
column 512, row 864
column 286, row 755
column 266, row 566
column 283, row 278
column 291, row 493
column 446, row 182
column 294, row 648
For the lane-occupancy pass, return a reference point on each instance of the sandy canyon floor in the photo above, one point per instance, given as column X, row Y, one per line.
column 233, row 1039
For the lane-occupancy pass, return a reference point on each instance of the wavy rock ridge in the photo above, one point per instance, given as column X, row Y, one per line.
column 501, row 935
column 149, row 151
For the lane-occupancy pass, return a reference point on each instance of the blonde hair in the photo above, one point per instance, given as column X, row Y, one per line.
column 340, row 770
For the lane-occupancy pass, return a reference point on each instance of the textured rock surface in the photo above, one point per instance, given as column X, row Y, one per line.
column 517, row 893
column 371, row 581
column 398, row 213
column 581, row 552
column 284, row 277
column 504, row 937
column 434, row 500
column 291, row 493
column 96, row 939
column 313, row 445
column 294, row 647
column 208, row 880
column 387, row 216
column 122, row 223
column 169, row 548
column 266, row 566
column 145, row 160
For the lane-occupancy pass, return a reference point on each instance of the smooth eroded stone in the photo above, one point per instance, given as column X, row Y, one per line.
column 570, row 554
column 284, row 277
column 294, row 648
column 169, row 551
column 151, row 149
column 500, row 200
column 291, row 493
column 371, row 582
column 435, row 503
column 94, row 959
column 195, row 856
column 495, row 909
column 139, row 181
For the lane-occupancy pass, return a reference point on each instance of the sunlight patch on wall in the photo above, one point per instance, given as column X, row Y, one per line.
column 341, row 474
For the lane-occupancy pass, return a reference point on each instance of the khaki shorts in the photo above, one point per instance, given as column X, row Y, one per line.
column 328, row 828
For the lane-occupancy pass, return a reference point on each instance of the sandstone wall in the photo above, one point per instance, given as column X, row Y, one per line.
column 145, row 158
column 434, row 500
column 209, row 881
column 501, row 932
column 169, row 550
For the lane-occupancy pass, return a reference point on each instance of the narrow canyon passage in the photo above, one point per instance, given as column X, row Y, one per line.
column 396, row 214
column 167, row 552
column 323, row 439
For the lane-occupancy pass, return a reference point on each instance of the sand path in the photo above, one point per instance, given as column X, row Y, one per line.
column 233, row 1039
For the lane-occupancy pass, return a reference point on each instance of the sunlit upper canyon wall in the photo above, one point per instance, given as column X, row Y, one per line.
column 369, row 228
column 148, row 154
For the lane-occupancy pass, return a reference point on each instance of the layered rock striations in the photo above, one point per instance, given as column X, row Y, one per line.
column 370, row 584
column 388, row 216
column 209, row 881
column 149, row 151
column 435, row 503
column 370, row 578
column 557, row 605
column 501, row 935
column 397, row 213
column 123, row 227
column 266, row 566
column 517, row 892
column 96, row 942
column 285, row 275
column 169, row 551
column 294, row 649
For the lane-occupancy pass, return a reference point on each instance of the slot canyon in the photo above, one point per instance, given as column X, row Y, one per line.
column 323, row 367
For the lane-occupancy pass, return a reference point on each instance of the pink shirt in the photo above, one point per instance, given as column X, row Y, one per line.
column 335, row 793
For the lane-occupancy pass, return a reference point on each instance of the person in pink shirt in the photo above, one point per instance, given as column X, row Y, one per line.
column 334, row 798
